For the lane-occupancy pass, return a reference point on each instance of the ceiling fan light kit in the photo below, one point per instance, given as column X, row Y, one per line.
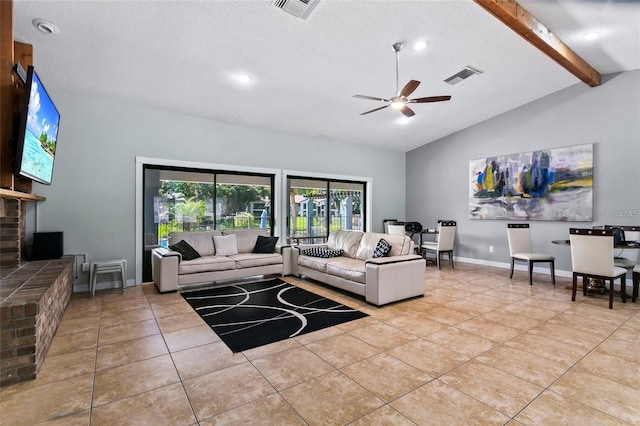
column 401, row 98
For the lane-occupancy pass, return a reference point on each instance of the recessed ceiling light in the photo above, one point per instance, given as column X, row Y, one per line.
column 403, row 120
column 420, row 45
column 45, row 27
column 243, row 78
column 592, row 35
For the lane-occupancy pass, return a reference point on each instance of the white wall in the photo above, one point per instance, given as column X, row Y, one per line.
column 607, row 116
column 92, row 198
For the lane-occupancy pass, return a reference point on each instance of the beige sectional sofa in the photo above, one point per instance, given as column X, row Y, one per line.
column 170, row 270
column 397, row 276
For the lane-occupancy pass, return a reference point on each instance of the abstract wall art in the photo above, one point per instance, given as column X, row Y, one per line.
column 554, row 184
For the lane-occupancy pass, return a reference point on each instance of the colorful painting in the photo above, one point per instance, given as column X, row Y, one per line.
column 554, row 184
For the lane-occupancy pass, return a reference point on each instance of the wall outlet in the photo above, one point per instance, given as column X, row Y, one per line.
column 85, row 267
column 490, row 249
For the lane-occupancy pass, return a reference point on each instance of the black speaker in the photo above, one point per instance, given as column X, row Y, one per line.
column 47, row 245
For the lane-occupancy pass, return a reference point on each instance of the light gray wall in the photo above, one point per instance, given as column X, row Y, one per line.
column 607, row 116
column 92, row 198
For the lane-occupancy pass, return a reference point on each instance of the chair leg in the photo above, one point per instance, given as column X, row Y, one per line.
column 530, row 272
column 611, row 293
column 574, row 288
column 636, row 286
column 623, row 288
column 438, row 254
column 511, row 274
column 584, row 285
column 553, row 273
column 451, row 258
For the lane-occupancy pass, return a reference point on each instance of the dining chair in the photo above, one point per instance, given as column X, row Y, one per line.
column 629, row 258
column 395, row 229
column 592, row 258
column 444, row 243
column 636, row 283
column 519, row 237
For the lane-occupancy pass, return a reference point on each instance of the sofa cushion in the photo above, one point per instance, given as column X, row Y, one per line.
column 199, row 240
column 246, row 238
column 225, row 244
column 400, row 245
column 347, row 268
column 206, row 264
column 316, row 263
column 252, row 260
column 322, row 252
column 265, row 244
column 185, row 249
column 347, row 241
column 382, row 248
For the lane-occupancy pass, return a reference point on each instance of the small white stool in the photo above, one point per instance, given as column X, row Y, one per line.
column 107, row 266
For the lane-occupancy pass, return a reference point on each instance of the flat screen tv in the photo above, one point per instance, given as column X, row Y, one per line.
column 37, row 136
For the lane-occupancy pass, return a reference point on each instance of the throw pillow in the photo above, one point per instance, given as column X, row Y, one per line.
column 322, row 252
column 265, row 244
column 382, row 248
column 185, row 249
column 225, row 244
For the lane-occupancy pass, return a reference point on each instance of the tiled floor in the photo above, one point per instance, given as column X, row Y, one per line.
column 477, row 349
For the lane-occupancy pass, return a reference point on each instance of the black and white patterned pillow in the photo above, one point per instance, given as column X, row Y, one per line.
column 321, row 252
column 382, row 248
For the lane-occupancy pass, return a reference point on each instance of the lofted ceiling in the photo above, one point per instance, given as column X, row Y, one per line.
column 183, row 56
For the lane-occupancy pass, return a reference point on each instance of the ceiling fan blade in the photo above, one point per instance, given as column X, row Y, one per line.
column 429, row 99
column 409, row 88
column 374, row 110
column 408, row 112
column 371, row 98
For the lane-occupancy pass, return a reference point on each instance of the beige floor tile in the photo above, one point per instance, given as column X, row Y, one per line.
column 224, row 390
column 359, row 323
column 463, row 342
column 386, row 376
column 128, row 304
column 383, row 416
column 73, row 342
column 164, row 298
column 534, row 312
column 580, row 338
column 546, row 348
column 489, row 329
column 502, row 391
column 621, row 401
column 331, row 399
column 271, row 348
column 525, row 365
column 594, row 325
column 416, row 324
column 507, row 296
column 611, row 367
column 446, row 315
column 167, row 405
column 292, row 367
column 439, row 404
column 342, row 350
column 314, row 336
column 62, row 367
column 511, row 319
column 624, row 348
column 124, row 332
column 271, row 410
column 553, row 409
column 383, row 336
column 205, row 359
column 126, row 380
column 432, row 358
column 82, row 310
column 81, row 418
column 191, row 337
column 30, row 405
column 541, row 302
column 78, row 325
column 171, row 309
column 114, row 317
column 178, row 322
column 130, row 351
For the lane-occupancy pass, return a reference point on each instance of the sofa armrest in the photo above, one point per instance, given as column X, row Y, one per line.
column 164, row 268
column 286, row 252
column 389, row 279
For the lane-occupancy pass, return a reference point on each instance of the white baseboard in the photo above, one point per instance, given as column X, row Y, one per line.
column 517, row 267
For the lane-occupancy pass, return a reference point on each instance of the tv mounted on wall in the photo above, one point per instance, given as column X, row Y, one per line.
column 37, row 136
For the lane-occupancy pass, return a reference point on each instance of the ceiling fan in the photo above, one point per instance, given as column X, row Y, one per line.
column 400, row 100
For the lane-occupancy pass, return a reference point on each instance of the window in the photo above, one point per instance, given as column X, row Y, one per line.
column 318, row 206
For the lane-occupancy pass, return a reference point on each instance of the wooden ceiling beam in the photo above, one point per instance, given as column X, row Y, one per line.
column 526, row 25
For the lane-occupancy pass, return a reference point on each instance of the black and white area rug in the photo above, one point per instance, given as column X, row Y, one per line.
column 249, row 315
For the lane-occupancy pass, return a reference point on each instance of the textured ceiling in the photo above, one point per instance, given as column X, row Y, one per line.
column 182, row 55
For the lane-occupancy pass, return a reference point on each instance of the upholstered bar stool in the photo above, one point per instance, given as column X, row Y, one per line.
column 107, row 267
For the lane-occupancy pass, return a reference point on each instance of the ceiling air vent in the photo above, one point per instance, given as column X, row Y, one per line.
column 465, row 73
column 298, row 8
